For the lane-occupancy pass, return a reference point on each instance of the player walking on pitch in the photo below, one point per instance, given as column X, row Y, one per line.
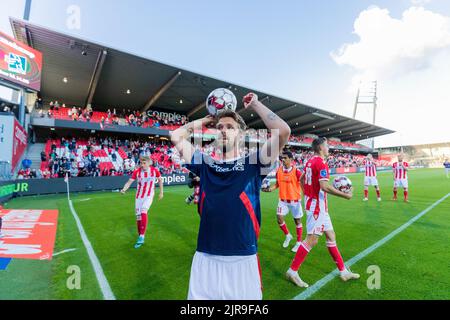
column 316, row 187
column 225, row 265
column 288, row 183
column 447, row 167
column 146, row 177
column 400, row 170
column 370, row 177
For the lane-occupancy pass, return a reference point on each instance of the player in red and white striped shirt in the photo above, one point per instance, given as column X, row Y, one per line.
column 146, row 177
column 370, row 177
column 400, row 171
column 315, row 181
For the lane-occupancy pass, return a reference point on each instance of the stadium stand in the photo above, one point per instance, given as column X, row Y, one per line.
column 124, row 117
column 111, row 156
column 101, row 156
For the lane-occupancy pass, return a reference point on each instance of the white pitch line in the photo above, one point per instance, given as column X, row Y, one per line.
column 101, row 278
column 64, row 251
column 322, row 282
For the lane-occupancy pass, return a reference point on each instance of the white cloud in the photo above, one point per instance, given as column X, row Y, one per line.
column 410, row 58
column 389, row 47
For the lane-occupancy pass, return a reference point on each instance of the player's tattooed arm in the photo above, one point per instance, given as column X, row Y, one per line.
column 279, row 129
column 272, row 116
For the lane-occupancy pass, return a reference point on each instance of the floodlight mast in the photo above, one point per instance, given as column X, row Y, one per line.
column 367, row 96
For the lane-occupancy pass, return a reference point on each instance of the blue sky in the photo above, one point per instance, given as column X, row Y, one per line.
column 282, row 48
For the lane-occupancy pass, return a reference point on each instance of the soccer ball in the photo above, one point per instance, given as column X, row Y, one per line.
column 265, row 184
column 342, row 183
column 220, row 100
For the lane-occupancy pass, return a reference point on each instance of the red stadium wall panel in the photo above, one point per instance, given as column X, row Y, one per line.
column 28, row 234
column 13, row 140
column 20, row 63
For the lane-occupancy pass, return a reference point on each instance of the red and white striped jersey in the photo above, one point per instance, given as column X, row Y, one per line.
column 146, row 180
column 400, row 169
column 371, row 168
column 316, row 170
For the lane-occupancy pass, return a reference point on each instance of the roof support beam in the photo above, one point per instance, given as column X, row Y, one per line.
column 370, row 134
column 338, row 126
column 196, row 109
column 364, row 131
column 296, row 119
column 290, row 107
column 161, row 91
column 308, row 125
column 346, row 129
column 96, row 76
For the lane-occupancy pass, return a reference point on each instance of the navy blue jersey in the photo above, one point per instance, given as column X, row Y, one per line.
column 229, row 204
column 447, row 164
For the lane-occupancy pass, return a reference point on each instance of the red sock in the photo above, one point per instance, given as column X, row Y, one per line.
column 300, row 256
column 333, row 250
column 299, row 232
column 378, row 193
column 405, row 193
column 142, row 224
column 138, row 223
column 395, row 193
column 284, row 228
column 366, row 193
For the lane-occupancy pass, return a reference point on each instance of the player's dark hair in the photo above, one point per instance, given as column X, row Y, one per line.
column 317, row 143
column 288, row 154
column 235, row 116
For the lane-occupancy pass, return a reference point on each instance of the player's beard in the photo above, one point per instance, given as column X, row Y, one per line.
column 227, row 145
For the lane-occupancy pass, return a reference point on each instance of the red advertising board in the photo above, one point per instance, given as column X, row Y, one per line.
column 28, row 234
column 20, row 63
column 19, row 143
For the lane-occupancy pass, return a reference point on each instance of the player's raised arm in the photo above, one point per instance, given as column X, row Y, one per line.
column 326, row 187
column 180, row 137
column 127, row 186
column 280, row 130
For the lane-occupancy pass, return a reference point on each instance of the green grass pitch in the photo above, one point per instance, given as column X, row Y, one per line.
column 414, row 264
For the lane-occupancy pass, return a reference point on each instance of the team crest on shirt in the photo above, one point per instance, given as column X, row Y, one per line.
column 323, row 173
column 239, row 166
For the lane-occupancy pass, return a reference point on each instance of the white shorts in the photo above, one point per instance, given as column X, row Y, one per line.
column 295, row 207
column 317, row 225
column 142, row 205
column 370, row 181
column 225, row 278
column 401, row 183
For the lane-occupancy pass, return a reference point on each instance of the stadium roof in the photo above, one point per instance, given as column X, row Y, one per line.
column 101, row 75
